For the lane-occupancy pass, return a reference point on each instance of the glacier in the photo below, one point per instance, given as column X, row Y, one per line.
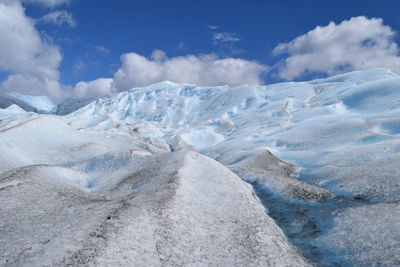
column 40, row 104
column 288, row 174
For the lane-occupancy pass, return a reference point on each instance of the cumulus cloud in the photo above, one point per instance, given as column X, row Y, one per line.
column 97, row 87
column 158, row 55
column 32, row 62
column 354, row 44
column 48, row 3
column 59, row 17
column 137, row 70
column 225, row 37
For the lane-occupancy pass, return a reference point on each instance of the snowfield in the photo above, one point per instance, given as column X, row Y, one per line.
column 41, row 104
column 177, row 175
column 158, row 213
column 70, row 197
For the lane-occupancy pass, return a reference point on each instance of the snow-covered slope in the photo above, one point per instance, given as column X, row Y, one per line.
column 79, row 198
column 328, row 127
column 341, row 134
column 41, row 104
column 70, row 105
column 158, row 214
column 153, row 175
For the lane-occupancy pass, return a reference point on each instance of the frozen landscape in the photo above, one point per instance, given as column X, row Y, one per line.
column 288, row 174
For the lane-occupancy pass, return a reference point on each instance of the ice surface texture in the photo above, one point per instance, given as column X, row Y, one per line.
column 329, row 128
column 145, row 157
column 95, row 198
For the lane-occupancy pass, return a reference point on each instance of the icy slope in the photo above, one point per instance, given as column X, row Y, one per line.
column 175, row 217
column 70, row 197
column 158, row 215
column 124, row 172
column 327, row 127
column 70, row 105
column 341, row 135
column 41, row 104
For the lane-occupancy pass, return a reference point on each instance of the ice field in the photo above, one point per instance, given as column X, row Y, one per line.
column 288, row 174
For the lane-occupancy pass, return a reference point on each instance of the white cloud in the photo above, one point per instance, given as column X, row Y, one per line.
column 99, row 87
column 32, row 62
column 137, row 70
column 225, row 37
column 358, row 43
column 158, row 55
column 59, row 18
column 48, row 3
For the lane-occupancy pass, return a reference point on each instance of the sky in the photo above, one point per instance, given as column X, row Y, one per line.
column 85, row 48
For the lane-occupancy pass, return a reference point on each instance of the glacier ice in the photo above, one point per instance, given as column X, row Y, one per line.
column 322, row 156
column 41, row 104
column 320, row 126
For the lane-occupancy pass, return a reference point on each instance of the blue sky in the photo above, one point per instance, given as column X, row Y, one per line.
column 90, row 37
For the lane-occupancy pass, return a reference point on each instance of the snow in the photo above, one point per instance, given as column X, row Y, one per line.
column 143, row 210
column 40, row 103
column 164, row 161
column 70, row 105
column 202, row 137
column 221, row 229
column 94, row 197
column 369, row 225
column 11, row 111
column 311, row 124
